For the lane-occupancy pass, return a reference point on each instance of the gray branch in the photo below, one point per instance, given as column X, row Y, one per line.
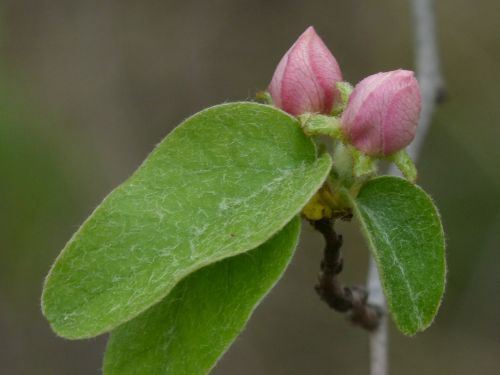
column 428, row 69
column 379, row 337
column 432, row 88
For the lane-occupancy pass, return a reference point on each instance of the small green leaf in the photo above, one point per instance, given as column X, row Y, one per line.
column 193, row 326
column 404, row 232
column 220, row 184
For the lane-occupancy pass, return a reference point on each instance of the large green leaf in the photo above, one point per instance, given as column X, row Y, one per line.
column 220, row 184
column 406, row 237
column 194, row 325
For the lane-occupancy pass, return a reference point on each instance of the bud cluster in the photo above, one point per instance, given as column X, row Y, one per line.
column 379, row 117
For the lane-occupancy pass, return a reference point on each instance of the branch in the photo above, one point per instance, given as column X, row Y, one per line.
column 432, row 89
column 340, row 298
column 428, row 69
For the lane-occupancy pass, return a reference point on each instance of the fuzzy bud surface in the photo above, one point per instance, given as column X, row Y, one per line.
column 382, row 113
column 305, row 79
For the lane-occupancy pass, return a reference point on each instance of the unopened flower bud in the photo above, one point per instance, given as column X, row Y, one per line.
column 382, row 113
column 305, row 79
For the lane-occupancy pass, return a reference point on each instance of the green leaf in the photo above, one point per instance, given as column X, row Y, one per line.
column 193, row 326
column 220, row 184
column 404, row 232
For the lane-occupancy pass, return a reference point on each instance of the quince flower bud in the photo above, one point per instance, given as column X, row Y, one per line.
column 305, row 79
column 382, row 113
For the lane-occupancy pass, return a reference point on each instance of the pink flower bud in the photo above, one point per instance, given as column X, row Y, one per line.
column 305, row 78
column 382, row 113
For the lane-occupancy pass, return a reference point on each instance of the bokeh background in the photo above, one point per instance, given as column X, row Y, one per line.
column 87, row 88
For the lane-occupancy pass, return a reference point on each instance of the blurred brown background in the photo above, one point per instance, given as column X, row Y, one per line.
column 87, row 88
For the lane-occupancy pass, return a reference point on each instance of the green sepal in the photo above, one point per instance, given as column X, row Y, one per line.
column 264, row 97
column 404, row 163
column 345, row 90
column 315, row 124
column 364, row 166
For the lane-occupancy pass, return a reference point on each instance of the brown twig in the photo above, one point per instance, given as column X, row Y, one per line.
column 352, row 300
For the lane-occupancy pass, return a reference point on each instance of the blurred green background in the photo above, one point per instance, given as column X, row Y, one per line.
column 87, row 88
